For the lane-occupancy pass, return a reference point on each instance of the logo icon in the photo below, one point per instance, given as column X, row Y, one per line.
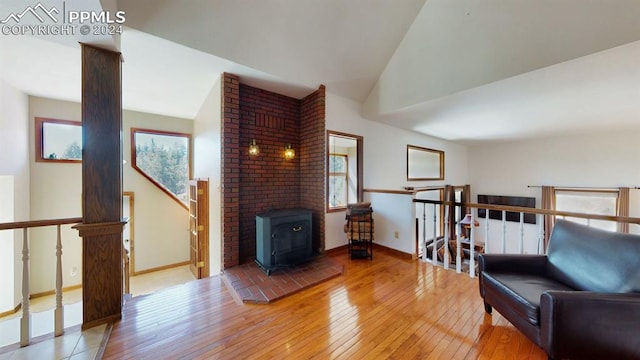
column 35, row 12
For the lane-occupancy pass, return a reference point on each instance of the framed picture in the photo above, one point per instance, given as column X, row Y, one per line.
column 424, row 163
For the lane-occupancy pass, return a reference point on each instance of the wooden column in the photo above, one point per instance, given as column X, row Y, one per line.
column 102, row 226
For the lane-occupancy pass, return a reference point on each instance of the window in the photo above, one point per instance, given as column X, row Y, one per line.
column 58, row 140
column 589, row 202
column 163, row 158
column 338, row 180
column 344, row 170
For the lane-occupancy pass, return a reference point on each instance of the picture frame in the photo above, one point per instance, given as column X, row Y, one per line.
column 424, row 163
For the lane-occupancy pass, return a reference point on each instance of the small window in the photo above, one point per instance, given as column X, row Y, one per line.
column 163, row 158
column 58, row 140
column 344, row 170
column 589, row 202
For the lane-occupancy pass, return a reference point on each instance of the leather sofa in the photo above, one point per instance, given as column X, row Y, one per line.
column 580, row 301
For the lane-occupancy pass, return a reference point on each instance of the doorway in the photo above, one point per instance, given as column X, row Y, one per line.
column 127, row 232
column 128, row 239
column 142, row 283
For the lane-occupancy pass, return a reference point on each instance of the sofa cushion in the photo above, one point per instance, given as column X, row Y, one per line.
column 591, row 259
column 521, row 292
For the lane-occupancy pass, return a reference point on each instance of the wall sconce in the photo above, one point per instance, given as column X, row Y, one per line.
column 289, row 153
column 253, row 148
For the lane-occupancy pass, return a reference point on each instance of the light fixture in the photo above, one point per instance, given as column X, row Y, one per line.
column 289, row 153
column 467, row 221
column 466, row 225
column 253, row 148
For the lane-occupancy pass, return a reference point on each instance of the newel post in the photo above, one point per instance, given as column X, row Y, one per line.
column 102, row 226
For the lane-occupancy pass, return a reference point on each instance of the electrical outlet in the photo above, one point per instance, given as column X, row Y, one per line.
column 74, row 271
column 396, row 235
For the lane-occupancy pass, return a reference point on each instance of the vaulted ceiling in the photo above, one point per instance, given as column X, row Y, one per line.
column 461, row 70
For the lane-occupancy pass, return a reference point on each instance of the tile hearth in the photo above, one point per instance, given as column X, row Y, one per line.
column 252, row 285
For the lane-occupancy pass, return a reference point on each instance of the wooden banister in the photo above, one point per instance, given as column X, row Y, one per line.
column 626, row 219
column 38, row 223
column 25, row 321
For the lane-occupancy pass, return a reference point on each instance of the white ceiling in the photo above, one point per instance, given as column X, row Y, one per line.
column 595, row 93
column 470, row 71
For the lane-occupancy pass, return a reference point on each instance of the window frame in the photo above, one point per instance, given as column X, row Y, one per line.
column 39, row 139
column 359, row 167
column 134, row 164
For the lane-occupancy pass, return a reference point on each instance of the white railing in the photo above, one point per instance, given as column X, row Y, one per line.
column 25, row 320
column 466, row 250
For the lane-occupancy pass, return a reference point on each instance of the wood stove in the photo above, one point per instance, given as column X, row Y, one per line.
column 283, row 238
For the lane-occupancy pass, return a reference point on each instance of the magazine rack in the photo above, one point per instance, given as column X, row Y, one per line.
column 359, row 229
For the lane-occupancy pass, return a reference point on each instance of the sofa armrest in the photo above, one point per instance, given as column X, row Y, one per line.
column 528, row 264
column 589, row 325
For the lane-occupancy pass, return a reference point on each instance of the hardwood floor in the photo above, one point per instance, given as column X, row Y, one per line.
column 385, row 308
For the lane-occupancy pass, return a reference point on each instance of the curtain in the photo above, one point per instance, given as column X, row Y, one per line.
column 623, row 208
column 466, row 199
column 549, row 203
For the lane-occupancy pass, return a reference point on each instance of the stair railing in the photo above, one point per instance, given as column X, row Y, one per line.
column 25, row 320
column 472, row 242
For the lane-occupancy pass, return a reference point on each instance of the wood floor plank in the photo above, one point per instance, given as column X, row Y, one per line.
column 386, row 308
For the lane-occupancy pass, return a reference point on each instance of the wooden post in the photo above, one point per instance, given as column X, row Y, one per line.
column 102, row 226
column 446, row 256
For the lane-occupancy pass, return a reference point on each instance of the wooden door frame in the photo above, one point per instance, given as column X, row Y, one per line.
column 199, row 208
column 132, row 263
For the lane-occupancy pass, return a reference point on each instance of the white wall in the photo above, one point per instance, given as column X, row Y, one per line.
column 385, row 153
column 588, row 160
column 207, row 136
column 56, row 190
column 605, row 159
column 14, row 163
column 161, row 224
column 161, row 236
column 394, row 214
column 7, row 256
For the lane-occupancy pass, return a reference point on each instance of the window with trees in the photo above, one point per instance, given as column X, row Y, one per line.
column 338, row 180
column 344, row 170
column 58, row 140
column 165, row 159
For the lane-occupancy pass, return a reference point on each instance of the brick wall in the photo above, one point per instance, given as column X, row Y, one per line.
column 252, row 184
column 230, row 169
column 312, row 161
column 268, row 180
